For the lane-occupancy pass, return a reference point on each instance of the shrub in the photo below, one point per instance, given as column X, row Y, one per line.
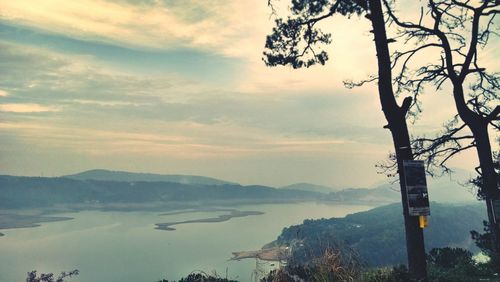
column 328, row 267
column 49, row 277
column 201, row 277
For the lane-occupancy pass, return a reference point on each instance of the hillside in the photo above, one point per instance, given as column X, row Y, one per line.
column 108, row 175
column 26, row 192
column 444, row 189
column 370, row 195
column 378, row 234
column 104, row 187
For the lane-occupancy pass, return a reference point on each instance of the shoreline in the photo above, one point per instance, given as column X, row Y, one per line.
column 267, row 254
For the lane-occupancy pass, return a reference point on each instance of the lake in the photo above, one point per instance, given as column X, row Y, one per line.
column 124, row 246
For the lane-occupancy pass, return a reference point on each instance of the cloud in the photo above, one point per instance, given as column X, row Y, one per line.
column 105, row 103
column 231, row 28
column 27, row 108
column 80, row 85
column 215, row 27
column 182, row 140
column 154, row 24
column 107, row 112
column 36, row 73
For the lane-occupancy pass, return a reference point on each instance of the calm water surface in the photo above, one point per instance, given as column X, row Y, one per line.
column 124, row 246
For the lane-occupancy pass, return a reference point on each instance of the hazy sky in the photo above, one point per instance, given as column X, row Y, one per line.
column 179, row 86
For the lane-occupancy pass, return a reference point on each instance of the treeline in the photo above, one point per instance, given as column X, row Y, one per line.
column 27, row 192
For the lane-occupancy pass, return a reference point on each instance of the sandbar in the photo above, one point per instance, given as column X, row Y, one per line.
column 167, row 226
column 15, row 220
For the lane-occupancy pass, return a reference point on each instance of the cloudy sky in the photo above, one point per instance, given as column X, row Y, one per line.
column 179, row 86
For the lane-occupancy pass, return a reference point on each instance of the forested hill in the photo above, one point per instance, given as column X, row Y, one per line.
column 23, row 192
column 109, row 175
column 378, row 234
column 102, row 187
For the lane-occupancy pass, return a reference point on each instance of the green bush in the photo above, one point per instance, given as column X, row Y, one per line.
column 396, row 274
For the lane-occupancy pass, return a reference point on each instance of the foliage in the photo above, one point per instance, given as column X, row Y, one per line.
column 444, row 265
column 201, row 277
column 295, row 41
column 449, row 257
column 478, row 183
column 452, row 264
column 332, row 265
column 49, row 277
column 395, row 274
column 484, row 243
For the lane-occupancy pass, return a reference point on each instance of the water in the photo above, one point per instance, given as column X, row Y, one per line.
column 124, row 246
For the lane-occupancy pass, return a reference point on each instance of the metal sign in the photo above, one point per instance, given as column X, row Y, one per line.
column 416, row 188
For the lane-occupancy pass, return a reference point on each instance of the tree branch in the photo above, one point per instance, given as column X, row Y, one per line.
column 494, row 115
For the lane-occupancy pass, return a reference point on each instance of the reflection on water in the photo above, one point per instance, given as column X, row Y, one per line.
column 124, row 246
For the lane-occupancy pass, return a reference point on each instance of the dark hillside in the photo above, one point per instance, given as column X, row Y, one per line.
column 378, row 234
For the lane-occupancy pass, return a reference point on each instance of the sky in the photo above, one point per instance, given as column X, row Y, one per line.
column 179, row 87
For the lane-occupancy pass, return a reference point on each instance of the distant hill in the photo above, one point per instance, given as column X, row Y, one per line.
column 102, row 174
column 444, row 189
column 378, row 234
column 381, row 194
column 309, row 187
column 31, row 192
column 104, row 188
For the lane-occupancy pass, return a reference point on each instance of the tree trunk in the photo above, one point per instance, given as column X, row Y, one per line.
column 396, row 117
column 489, row 177
column 414, row 234
column 479, row 128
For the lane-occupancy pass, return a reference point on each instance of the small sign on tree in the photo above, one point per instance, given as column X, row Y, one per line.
column 416, row 188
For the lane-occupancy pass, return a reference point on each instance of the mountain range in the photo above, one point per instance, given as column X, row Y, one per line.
column 104, row 188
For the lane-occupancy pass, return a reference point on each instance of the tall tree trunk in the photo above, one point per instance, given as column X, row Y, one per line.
column 479, row 128
column 489, row 177
column 396, row 117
